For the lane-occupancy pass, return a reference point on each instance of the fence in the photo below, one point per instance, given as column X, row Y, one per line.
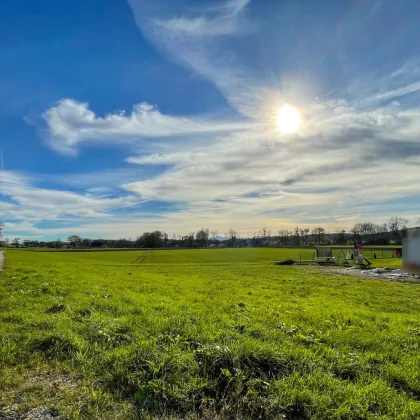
column 367, row 253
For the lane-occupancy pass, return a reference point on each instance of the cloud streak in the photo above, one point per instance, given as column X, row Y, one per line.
column 71, row 123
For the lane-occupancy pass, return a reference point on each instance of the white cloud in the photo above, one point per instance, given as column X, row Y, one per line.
column 25, row 202
column 218, row 20
column 71, row 123
column 199, row 26
column 193, row 41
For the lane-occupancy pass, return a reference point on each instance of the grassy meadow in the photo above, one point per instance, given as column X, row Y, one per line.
column 209, row 334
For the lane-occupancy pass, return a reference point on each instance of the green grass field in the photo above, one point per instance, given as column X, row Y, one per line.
column 205, row 334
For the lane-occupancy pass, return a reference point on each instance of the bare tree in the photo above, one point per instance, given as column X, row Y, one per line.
column 396, row 226
column 318, row 234
column 366, row 229
column 214, row 234
column 16, row 242
column 165, row 239
column 304, row 233
column 283, row 236
column 268, row 235
column 1, row 232
column 296, row 239
column 256, row 239
column 75, row 240
column 340, row 238
column 232, row 235
column 356, row 231
column 265, row 234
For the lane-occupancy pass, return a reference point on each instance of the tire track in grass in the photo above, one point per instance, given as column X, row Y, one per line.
column 141, row 258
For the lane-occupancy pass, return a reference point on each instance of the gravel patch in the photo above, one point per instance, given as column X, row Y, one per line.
column 33, row 414
column 357, row 272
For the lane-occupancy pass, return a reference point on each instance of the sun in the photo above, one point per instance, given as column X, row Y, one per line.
column 288, row 119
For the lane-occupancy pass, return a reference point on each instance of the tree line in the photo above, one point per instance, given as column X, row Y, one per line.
column 391, row 232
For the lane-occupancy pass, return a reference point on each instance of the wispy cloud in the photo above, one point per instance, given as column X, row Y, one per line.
column 71, row 123
column 220, row 20
column 26, row 202
column 193, row 40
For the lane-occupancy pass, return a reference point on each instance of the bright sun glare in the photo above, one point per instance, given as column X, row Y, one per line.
column 288, row 119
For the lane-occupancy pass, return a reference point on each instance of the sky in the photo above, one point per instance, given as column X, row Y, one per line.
column 124, row 116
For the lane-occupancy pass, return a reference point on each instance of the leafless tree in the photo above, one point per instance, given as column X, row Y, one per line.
column 318, row 234
column 304, row 233
column 232, row 235
column 189, row 240
column 356, row 231
column 340, row 236
column 214, row 234
column 283, row 236
column 367, row 228
column 75, row 241
column 165, row 238
column 1, row 232
column 396, row 226
column 16, row 242
column 296, row 238
column 265, row 234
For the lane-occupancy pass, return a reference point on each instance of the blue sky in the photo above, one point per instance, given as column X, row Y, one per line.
column 118, row 117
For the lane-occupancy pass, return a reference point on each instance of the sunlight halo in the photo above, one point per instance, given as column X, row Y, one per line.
column 288, row 119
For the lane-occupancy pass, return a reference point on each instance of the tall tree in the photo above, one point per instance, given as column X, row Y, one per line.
column 284, row 237
column 296, row 237
column 202, row 237
column 1, row 232
column 16, row 242
column 150, row 239
column 396, row 226
column 86, row 242
column 232, row 235
column 214, row 234
column 304, row 233
column 356, row 231
column 265, row 235
column 255, row 241
column 75, row 241
column 340, row 238
column 165, row 239
column 189, row 240
column 318, row 234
